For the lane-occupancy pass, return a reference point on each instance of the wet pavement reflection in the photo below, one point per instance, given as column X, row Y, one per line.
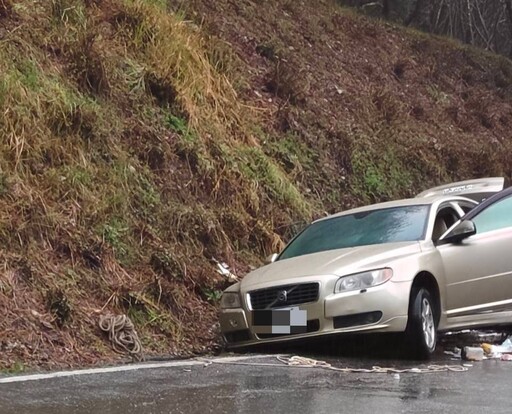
column 251, row 388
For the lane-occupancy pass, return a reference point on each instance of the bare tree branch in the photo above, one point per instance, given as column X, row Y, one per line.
column 415, row 10
column 508, row 8
column 471, row 39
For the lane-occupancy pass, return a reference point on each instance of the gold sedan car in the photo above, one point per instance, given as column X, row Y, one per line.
column 409, row 266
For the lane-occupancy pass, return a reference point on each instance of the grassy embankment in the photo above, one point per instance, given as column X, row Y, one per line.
column 137, row 145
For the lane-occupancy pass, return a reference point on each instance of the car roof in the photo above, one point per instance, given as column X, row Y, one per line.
column 400, row 203
column 477, row 189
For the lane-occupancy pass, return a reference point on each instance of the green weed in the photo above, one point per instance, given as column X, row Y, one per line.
column 260, row 169
column 115, row 233
column 212, row 295
column 379, row 173
column 437, row 95
column 68, row 12
column 16, row 368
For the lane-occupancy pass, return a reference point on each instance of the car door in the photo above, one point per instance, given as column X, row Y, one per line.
column 478, row 270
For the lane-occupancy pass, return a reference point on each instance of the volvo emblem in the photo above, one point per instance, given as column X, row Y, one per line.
column 282, row 296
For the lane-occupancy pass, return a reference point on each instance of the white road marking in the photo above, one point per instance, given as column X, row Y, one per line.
column 123, row 368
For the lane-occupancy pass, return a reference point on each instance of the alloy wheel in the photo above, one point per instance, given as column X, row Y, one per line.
column 427, row 322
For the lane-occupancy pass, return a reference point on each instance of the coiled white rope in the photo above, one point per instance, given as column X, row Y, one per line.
column 122, row 334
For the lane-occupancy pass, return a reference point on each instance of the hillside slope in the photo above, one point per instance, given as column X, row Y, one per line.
column 391, row 110
column 141, row 139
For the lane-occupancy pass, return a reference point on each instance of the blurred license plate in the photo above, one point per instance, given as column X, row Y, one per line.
column 280, row 321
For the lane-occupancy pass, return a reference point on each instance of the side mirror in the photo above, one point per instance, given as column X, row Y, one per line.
column 271, row 259
column 460, row 232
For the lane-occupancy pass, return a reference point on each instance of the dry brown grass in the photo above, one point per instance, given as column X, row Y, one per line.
column 124, row 142
column 135, row 147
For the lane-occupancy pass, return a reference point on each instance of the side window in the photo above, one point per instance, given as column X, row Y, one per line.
column 496, row 216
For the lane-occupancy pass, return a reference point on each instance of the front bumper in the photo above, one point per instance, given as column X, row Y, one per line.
column 382, row 308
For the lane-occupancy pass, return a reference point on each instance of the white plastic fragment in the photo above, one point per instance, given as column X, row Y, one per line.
column 223, row 269
column 471, row 353
column 504, row 348
column 456, row 353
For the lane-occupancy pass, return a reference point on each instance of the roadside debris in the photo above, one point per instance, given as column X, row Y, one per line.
column 303, row 362
column 297, row 361
column 481, row 345
column 223, row 269
column 456, row 353
column 503, row 351
column 122, row 334
column 473, row 336
column 471, row 353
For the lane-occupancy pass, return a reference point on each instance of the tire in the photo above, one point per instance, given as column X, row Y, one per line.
column 421, row 331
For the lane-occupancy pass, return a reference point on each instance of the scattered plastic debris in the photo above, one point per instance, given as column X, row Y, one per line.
column 503, row 351
column 223, row 269
column 456, row 353
column 487, row 348
column 481, row 345
column 505, row 347
column 474, row 335
column 472, row 353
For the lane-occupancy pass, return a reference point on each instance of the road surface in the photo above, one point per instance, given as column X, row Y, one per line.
column 244, row 384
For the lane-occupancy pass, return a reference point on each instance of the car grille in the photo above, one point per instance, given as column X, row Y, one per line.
column 295, row 295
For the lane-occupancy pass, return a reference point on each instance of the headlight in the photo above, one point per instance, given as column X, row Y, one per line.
column 230, row 300
column 363, row 280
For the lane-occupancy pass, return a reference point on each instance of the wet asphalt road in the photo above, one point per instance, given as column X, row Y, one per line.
column 229, row 388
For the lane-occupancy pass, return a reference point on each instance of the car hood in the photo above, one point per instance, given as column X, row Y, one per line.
column 332, row 262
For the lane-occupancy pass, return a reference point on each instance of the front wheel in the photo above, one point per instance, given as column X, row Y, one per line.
column 421, row 329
